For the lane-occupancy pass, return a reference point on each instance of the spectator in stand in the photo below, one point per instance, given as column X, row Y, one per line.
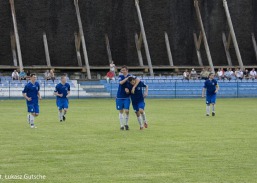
column 231, row 72
column 253, row 74
column 228, row 75
column 110, row 76
column 220, row 74
column 23, row 75
column 210, row 70
column 186, row 75
column 239, row 74
column 193, row 74
column 204, row 74
column 112, row 67
column 246, row 74
column 47, row 75
column 28, row 74
column 52, row 75
column 15, row 75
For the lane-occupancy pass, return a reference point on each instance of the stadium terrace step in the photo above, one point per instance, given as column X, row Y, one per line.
column 92, row 86
column 94, row 89
column 96, row 82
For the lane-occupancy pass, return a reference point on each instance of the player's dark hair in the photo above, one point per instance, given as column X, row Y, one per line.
column 211, row 74
column 33, row 74
column 63, row 76
column 131, row 79
column 124, row 67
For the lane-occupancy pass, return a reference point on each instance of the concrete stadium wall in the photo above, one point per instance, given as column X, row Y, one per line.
column 118, row 18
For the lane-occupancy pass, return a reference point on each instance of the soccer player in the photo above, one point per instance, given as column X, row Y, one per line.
column 123, row 99
column 62, row 92
column 31, row 94
column 138, row 102
column 211, row 88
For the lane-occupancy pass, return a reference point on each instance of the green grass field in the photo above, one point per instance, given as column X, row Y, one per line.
column 180, row 145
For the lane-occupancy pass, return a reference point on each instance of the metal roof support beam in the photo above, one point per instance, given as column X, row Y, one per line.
column 144, row 38
column 233, row 35
column 84, row 48
column 16, row 34
column 204, row 37
column 167, row 42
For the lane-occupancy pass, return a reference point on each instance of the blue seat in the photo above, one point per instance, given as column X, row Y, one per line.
column 148, row 81
column 4, row 85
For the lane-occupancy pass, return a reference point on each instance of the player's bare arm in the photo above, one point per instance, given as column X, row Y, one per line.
column 57, row 94
column 134, row 87
column 39, row 96
column 146, row 91
column 127, row 90
column 68, row 94
column 203, row 92
column 217, row 88
column 124, row 81
column 26, row 97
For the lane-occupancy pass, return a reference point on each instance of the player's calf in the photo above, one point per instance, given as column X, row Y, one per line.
column 64, row 113
column 208, row 110
column 139, row 119
column 60, row 115
column 31, row 119
column 126, row 119
column 121, row 118
column 142, row 113
column 213, row 109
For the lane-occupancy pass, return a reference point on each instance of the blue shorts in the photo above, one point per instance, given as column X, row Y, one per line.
column 33, row 108
column 62, row 103
column 210, row 99
column 122, row 104
column 139, row 105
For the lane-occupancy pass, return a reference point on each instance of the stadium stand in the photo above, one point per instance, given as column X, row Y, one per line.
column 58, row 21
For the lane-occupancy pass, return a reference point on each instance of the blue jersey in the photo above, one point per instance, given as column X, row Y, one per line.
column 32, row 92
column 138, row 96
column 210, row 86
column 62, row 89
column 121, row 94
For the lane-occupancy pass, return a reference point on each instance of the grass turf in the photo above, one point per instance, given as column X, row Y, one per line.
column 180, row 145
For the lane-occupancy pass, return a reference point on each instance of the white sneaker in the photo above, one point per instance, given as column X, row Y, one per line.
column 33, row 126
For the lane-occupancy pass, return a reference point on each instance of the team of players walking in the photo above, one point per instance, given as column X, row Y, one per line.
column 130, row 87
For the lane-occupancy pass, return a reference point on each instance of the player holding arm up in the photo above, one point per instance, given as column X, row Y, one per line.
column 138, row 100
column 211, row 88
column 62, row 92
column 31, row 94
column 123, row 99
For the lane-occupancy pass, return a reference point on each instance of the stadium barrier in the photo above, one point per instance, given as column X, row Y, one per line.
column 158, row 88
column 166, row 88
column 10, row 89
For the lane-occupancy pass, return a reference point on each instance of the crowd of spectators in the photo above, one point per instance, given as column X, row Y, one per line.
column 221, row 74
column 22, row 75
column 49, row 75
